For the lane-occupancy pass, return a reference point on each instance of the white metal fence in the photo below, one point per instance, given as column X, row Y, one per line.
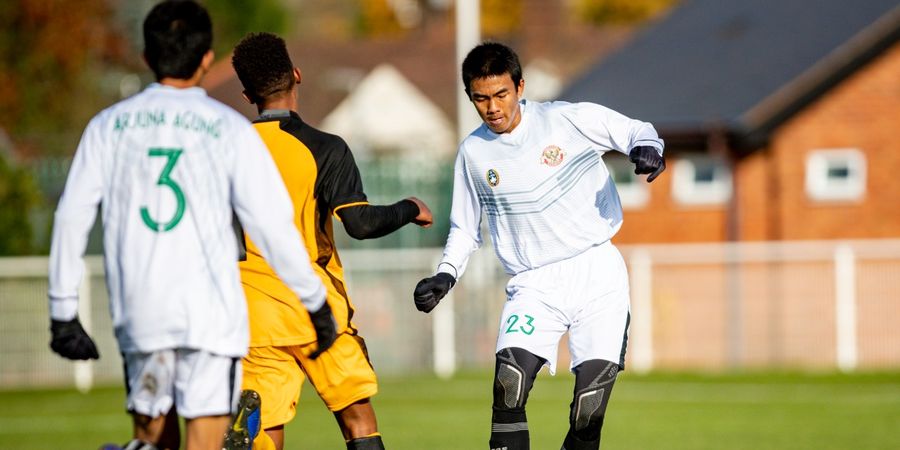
column 810, row 305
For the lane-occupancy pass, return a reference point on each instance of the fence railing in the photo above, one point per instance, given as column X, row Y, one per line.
column 820, row 305
column 386, row 179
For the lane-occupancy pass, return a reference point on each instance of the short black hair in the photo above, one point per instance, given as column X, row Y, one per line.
column 490, row 59
column 263, row 65
column 177, row 34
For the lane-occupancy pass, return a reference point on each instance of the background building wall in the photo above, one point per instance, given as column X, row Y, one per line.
column 863, row 112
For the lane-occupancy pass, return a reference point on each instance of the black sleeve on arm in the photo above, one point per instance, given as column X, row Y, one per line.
column 374, row 221
column 239, row 235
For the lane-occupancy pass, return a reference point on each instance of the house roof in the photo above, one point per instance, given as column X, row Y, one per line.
column 385, row 112
column 738, row 65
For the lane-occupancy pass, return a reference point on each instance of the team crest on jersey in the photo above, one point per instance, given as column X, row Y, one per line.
column 552, row 156
column 493, row 178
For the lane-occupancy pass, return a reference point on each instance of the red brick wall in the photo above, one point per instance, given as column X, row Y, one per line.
column 663, row 220
column 755, row 189
column 862, row 112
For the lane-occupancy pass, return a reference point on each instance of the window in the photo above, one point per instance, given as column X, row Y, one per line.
column 701, row 179
column 633, row 191
column 836, row 175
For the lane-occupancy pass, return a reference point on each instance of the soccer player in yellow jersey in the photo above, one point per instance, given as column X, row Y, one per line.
column 323, row 181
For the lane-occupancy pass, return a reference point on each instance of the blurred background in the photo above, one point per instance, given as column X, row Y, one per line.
column 771, row 244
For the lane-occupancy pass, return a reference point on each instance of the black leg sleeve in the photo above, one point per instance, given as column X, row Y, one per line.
column 513, row 378
column 366, row 443
column 594, row 381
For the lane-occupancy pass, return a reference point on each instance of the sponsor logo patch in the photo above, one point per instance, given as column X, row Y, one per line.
column 552, row 156
column 493, row 178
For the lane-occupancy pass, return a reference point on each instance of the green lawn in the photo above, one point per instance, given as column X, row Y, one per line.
column 661, row 411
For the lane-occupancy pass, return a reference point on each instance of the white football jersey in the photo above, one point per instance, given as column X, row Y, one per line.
column 168, row 166
column 543, row 187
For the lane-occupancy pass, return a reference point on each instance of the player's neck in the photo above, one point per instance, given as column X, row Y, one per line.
column 194, row 80
column 183, row 83
column 516, row 121
column 288, row 102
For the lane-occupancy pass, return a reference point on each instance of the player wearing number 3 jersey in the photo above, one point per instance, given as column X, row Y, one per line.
column 535, row 171
column 170, row 166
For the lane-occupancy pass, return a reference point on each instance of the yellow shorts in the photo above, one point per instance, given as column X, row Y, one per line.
column 342, row 376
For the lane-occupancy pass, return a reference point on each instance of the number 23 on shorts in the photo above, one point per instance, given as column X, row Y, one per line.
column 514, row 325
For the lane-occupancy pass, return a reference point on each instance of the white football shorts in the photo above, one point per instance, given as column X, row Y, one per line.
column 586, row 295
column 196, row 382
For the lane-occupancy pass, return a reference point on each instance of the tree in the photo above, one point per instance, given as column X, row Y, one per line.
column 48, row 51
column 232, row 19
column 500, row 17
column 619, row 11
column 19, row 196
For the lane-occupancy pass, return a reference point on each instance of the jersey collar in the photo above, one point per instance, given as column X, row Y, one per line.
column 273, row 114
column 277, row 114
column 195, row 90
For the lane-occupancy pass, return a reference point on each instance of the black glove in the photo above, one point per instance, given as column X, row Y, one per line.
column 326, row 329
column 647, row 160
column 430, row 291
column 70, row 340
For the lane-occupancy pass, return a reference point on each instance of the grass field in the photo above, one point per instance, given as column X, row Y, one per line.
column 662, row 411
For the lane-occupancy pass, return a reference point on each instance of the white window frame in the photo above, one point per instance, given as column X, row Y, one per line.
column 634, row 194
column 819, row 187
column 687, row 191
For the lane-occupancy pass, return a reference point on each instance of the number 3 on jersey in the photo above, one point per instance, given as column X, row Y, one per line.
column 172, row 154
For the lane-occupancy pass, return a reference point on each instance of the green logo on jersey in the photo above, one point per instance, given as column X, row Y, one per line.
column 172, row 154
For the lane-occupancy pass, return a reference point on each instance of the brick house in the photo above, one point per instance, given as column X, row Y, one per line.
column 780, row 120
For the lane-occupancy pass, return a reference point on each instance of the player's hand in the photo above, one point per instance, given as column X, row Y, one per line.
column 647, row 159
column 424, row 219
column 326, row 329
column 430, row 291
column 70, row 340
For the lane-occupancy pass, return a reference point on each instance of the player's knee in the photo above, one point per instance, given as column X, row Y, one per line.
column 587, row 416
column 509, row 387
column 593, row 385
column 514, row 377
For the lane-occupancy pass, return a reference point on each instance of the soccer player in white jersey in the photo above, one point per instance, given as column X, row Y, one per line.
column 169, row 166
column 535, row 170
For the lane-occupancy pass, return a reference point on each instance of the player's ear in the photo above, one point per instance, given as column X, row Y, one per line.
column 207, row 60
column 297, row 75
column 520, row 89
column 247, row 97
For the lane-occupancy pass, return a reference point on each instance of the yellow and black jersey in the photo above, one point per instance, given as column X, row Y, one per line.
column 321, row 177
